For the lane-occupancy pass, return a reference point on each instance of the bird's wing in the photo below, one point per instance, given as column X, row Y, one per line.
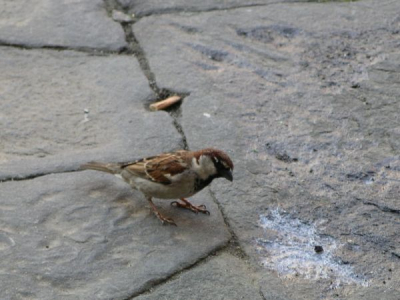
column 159, row 168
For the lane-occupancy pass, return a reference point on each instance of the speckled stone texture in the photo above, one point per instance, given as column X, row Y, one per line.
column 303, row 96
column 221, row 277
column 86, row 235
column 149, row 7
column 305, row 99
column 61, row 23
column 59, row 109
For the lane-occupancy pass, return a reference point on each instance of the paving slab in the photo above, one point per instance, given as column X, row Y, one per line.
column 304, row 98
column 63, row 23
column 87, row 235
column 221, row 277
column 59, row 109
column 149, row 7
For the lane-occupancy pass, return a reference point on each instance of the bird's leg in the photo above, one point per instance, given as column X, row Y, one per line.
column 158, row 214
column 194, row 208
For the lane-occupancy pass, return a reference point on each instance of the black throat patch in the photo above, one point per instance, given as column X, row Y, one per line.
column 200, row 184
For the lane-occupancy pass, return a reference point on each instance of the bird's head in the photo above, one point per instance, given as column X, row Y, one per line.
column 213, row 163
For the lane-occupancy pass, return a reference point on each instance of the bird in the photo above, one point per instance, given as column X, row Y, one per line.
column 173, row 175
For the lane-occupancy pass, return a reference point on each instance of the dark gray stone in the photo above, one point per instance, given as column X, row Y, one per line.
column 304, row 97
column 87, row 235
column 61, row 109
column 62, row 23
column 149, row 7
column 221, row 277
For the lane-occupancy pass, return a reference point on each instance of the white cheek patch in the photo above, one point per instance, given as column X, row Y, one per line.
column 225, row 165
column 205, row 167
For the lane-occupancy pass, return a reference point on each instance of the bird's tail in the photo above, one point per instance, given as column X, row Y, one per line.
column 103, row 167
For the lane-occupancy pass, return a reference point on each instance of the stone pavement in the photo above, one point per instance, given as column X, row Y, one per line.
column 304, row 96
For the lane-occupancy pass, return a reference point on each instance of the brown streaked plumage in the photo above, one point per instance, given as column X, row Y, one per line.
column 155, row 168
column 177, row 175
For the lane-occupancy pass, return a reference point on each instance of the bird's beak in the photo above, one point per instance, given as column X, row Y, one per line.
column 226, row 174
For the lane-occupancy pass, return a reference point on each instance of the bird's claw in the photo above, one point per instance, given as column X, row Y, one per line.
column 187, row 205
column 165, row 220
column 168, row 221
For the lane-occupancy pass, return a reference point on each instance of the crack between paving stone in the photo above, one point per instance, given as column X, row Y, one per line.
column 396, row 255
column 234, row 244
column 150, row 286
column 161, row 281
column 137, row 50
column 179, row 128
column 381, row 207
column 194, row 10
column 88, row 50
column 262, row 294
column 232, row 247
column 134, row 46
column 33, row 176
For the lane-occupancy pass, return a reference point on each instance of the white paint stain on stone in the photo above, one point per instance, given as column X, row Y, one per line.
column 289, row 248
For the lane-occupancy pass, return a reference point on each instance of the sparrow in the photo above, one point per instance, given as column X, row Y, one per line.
column 175, row 175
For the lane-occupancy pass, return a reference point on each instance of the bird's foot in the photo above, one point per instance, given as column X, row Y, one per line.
column 163, row 219
column 187, row 205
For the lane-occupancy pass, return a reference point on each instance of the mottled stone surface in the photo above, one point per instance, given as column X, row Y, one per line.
column 303, row 96
column 221, row 277
column 86, row 235
column 61, row 23
column 305, row 99
column 59, row 109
